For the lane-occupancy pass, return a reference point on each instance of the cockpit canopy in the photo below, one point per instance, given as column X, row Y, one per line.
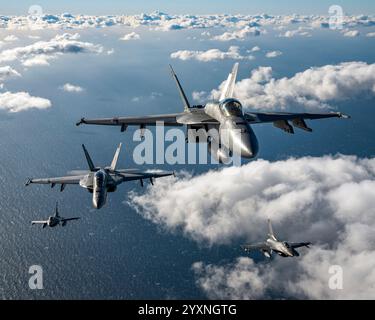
column 231, row 107
column 286, row 244
column 99, row 177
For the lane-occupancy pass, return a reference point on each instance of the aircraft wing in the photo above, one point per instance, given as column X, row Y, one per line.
column 39, row 222
column 257, row 246
column 168, row 119
column 299, row 244
column 70, row 219
column 58, row 180
column 198, row 116
column 280, row 119
column 124, row 175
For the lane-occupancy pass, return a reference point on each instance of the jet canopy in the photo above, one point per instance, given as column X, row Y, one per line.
column 231, row 107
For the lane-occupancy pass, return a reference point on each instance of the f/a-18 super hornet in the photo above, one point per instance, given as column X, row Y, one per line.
column 54, row 220
column 225, row 116
column 101, row 180
column 272, row 244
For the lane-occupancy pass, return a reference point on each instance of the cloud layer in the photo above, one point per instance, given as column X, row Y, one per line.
column 327, row 200
column 312, row 89
column 211, row 55
column 166, row 22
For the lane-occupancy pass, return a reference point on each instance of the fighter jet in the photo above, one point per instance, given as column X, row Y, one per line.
column 101, row 180
column 54, row 220
column 226, row 116
column 272, row 244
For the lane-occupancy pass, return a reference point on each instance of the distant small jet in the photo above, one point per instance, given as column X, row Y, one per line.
column 271, row 245
column 101, row 180
column 54, row 220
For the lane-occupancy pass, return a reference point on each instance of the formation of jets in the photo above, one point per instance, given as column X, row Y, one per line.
column 235, row 137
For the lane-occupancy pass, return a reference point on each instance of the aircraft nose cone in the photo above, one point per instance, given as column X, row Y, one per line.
column 249, row 146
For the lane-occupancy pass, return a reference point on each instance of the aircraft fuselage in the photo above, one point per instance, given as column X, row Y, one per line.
column 235, row 134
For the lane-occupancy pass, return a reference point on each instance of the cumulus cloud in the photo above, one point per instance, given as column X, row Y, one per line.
column 254, row 49
column 273, row 54
column 370, row 34
column 351, row 33
column 328, row 200
column 41, row 52
column 238, row 34
column 211, row 55
column 68, row 87
column 21, row 101
column 311, row 89
column 131, row 36
column 11, row 38
column 297, row 32
column 6, row 72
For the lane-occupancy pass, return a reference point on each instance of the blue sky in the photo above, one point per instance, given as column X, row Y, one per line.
column 191, row 6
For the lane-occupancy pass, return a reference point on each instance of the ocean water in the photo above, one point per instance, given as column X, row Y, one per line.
column 113, row 252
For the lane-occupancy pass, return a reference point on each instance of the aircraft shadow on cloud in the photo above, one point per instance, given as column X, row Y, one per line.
column 235, row 134
column 101, row 180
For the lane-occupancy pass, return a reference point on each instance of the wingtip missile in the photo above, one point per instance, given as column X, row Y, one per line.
column 82, row 120
column 28, row 181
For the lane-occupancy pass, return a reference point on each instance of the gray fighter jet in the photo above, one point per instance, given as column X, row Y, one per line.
column 101, row 180
column 272, row 244
column 54, row 220
column 235, row 134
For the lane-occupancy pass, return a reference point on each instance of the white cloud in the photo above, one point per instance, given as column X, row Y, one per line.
column 39, row 53
column 273, row 54
column 351, row 33
column 311, row 89
column 131, row 36
column 254, row 49
column 370, row 34
column 21, row 101
column 297, row 32
column 211, row 55
column 238, row 34
column 11, row 38
column 328, row 200
column 68, row 87
column 6, row 72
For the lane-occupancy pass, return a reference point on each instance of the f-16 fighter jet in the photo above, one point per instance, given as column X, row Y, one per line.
column 272, row 244
column 235, row 135
column 101, row 180
column 54, row 220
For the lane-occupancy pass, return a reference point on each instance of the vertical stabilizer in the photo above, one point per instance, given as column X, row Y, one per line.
column 270, row 230
column 57, row 209
column 88, row 158
column 115, row 157
column 181, row 91
column 228, row 90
